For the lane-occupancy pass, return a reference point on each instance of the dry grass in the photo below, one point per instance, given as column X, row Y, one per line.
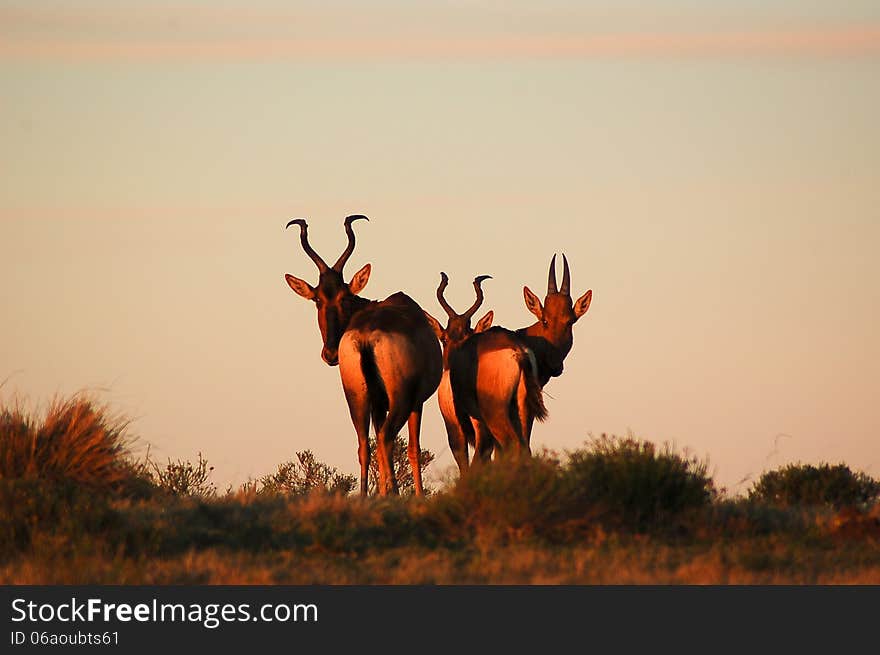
column 75, row 440
column 332, row 539
column 621, row 563
column 75, row 510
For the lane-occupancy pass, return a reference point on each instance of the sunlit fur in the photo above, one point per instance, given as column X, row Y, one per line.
column 488, row 375
column 551, row 337
column 389, row 360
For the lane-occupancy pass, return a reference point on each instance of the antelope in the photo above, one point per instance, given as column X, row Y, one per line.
column 551, row 338
column 389, row 360
column 489, row 377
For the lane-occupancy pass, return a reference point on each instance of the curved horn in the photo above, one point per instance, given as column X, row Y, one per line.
column 566, row 278
column 340, row 263
column 551, row 278
column 479, row 301
column 444, row 281
column 304, row 240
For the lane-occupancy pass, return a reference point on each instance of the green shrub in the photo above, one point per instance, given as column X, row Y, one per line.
column 805, row 484
column 633, row 483
column 76, row 440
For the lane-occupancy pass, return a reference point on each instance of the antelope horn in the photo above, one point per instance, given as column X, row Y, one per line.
column 566, row 277
column 479, row 301
column 444, row 281
column 551, row 278
column 340, row 263
column 304, row 240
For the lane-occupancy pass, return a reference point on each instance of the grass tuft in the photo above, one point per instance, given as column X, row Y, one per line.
column 76, row 440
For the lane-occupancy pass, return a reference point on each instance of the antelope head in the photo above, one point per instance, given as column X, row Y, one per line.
column 458, row 326
column 558, row 313
column 336, row 301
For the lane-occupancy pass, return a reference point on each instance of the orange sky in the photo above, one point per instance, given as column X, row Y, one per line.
column 115, row 32
column 712, row 174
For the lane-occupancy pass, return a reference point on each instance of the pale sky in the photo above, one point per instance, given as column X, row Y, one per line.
column 712, row 172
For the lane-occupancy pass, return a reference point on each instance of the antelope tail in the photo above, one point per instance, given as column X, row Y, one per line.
column 376, row 393
column 534, row 393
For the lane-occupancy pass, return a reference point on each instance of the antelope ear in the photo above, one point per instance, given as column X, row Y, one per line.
column 484, row 323
column 359, row 280
column 533, row 304
column 435, row 325
column 301, row 287
column 583, row 304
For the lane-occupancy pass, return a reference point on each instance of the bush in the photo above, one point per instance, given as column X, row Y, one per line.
column 618, row 483
column 508, row 499
column 183, row 478
column 64, row 510
column 305, row 475
column 139, row 480
column 77, row 440
column 632, row 482
column 805, row 484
